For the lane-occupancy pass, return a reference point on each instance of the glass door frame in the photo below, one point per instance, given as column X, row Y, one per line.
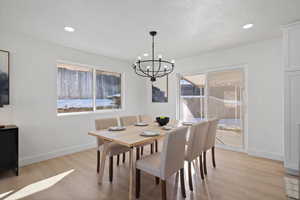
column 244, row 124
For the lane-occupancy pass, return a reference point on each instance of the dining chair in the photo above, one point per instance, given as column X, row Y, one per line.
column 195, row 147
column 113, row 149
column 210, row 142
column 163, row 165
column 128, row 120
column 148, row 119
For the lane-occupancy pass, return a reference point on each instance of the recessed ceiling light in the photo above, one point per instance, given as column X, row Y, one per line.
column 247, row 26
column 69, row 29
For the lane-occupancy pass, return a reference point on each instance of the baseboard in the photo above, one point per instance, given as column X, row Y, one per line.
column 267, row 155
column 61, row 152
column 237, row 149
column 292, row 172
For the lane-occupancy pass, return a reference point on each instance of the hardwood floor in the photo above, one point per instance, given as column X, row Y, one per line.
column 237, row 177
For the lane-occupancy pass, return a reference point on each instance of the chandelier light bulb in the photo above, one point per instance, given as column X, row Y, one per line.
column 166, row 67
column 173, row 61
column 159, row 56
column 139, row 58
column 148, row 67
column 146, row 54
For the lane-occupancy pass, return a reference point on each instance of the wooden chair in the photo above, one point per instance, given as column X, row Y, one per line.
column 195, row 147
column 163, row 165
column 114, row 149
column 210, row 142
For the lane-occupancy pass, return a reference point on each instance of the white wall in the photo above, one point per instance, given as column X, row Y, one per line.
column 33, row 97
column 265, row 91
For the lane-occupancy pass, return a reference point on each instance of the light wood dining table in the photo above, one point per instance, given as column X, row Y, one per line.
column 130, row 137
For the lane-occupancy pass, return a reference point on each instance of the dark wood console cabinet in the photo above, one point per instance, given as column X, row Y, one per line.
column 9, row 148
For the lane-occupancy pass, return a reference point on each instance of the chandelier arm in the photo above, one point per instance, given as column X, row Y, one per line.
column 159, row 66
column 162, row 61
column 141, row 74
column 147, row 75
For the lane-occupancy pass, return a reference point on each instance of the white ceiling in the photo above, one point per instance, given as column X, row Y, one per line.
column 119, row 28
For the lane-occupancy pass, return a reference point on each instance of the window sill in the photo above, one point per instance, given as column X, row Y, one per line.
column 89, row 112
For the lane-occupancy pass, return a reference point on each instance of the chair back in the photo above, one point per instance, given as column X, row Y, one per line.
column 128, row 120
column 196, row 141
column 146, row 118
column 104, row 123
column 211, row 134
column 172, row 155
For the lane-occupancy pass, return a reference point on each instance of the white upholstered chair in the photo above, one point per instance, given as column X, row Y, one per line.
column 128, row 120
column 195, row 146
column 114, row 149
column 210, row 142
column 146, row 118
column 169, row 161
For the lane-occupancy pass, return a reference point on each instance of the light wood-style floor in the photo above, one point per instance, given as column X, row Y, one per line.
column 237, row 177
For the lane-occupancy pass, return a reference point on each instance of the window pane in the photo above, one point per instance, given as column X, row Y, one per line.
column 108, row 90
column 74, row 88
column 192, row 98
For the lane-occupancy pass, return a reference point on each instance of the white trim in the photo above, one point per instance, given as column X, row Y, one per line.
column 57, row 153
column 244, row 68
column 267, row 155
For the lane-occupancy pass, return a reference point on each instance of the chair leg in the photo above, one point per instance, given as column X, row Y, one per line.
column 118, row 159
column 98, row 160
column 137, row 183
column 156, row 146
column 156, row 180
column 182, row 185
column 201, row 167
column 142, row 151
column 124, row 157
column 137, row 153
column 213, row 156
column 190, row 175
column 151, row 148
column 163, row 190
column 111, row 165
column 204, row 163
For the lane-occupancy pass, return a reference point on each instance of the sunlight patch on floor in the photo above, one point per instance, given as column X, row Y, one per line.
column 38, row 186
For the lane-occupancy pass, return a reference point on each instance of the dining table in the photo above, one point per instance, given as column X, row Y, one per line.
column 130, row 137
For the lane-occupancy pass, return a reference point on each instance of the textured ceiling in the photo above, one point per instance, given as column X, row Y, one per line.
column 119, row 28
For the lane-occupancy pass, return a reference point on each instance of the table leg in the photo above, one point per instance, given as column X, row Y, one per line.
column 102, row 162
column 130, row 173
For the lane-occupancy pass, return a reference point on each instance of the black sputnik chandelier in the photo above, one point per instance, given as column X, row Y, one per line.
column 155, row 67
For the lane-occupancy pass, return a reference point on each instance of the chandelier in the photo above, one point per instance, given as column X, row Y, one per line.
column 155, row 67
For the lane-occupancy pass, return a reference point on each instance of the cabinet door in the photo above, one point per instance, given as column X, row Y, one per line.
column 292, row 120
column 8, row 149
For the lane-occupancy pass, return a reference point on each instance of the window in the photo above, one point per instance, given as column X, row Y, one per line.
column 76, row 93
column 108, row 90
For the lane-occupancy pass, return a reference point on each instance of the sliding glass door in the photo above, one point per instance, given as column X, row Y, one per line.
column 215, row 94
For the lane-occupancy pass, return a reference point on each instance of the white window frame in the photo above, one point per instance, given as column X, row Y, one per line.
column 94, row 68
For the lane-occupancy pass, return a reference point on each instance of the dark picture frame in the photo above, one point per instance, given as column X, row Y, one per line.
column 160, row 90
column 4, row 77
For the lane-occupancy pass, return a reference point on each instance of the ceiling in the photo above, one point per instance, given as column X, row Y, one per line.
column 119, row 28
